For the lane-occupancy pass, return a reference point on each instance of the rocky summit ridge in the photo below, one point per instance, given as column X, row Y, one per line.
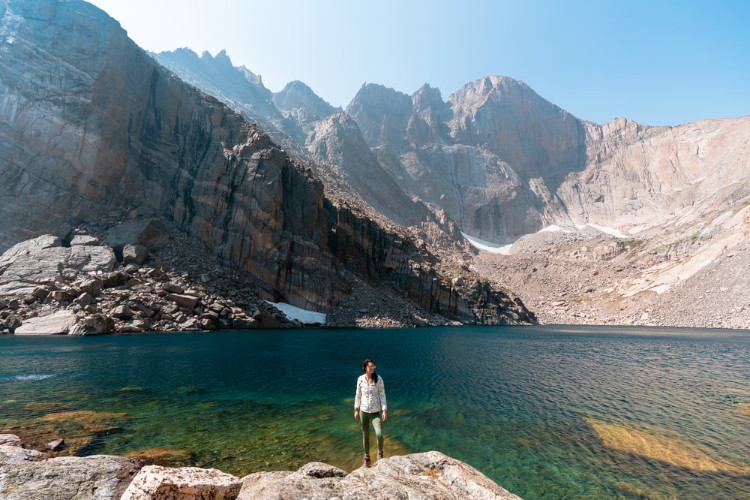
column 94, row 133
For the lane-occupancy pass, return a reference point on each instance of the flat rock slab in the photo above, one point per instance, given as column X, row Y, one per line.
column 14, row 454
column 58, row 323
column 97, row 477
column 10, row 440
column 154, row 482
column 430, row 475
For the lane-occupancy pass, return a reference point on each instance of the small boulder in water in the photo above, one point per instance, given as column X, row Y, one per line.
column 56, row 444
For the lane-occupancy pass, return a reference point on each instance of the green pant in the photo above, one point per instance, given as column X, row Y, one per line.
column 365, row 419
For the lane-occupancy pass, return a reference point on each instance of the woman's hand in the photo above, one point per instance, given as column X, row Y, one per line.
column 356, row 414
column 385, row 415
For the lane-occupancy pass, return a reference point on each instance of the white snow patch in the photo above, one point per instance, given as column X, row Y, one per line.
column 582, row 227
column 302, row 315
column 609, row 230
column 554, row 228
column 488, row 246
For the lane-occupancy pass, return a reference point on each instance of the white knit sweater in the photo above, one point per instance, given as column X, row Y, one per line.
column 370, row 397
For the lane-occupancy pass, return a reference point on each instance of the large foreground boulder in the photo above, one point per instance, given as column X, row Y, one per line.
column 430, row 475
column 154, row 482
column 96, row 477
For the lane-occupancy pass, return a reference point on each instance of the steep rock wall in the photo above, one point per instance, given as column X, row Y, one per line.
column 90, row 123
column 382, row 257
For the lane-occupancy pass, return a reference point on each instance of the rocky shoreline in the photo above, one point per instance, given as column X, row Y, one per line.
column 141, row 279
column 28, row 475
column 139, row 275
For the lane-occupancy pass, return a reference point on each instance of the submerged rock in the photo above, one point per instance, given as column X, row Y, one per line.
column 672, row 451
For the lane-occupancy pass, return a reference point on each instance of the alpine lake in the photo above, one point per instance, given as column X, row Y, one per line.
column 547, row 412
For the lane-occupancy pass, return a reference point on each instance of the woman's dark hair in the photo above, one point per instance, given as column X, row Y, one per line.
column 364, row 369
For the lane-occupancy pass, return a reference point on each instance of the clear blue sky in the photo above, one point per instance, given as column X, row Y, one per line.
column 655, row 62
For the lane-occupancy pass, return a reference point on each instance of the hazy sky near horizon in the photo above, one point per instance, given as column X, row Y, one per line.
column 658, row 62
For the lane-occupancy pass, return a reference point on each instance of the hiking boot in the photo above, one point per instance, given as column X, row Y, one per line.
column 367, row 460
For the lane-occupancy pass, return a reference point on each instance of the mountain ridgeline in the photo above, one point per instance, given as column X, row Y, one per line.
column 91, row 126
column 654, row 218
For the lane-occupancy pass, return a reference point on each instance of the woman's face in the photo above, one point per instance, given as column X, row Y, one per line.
column 370, row 369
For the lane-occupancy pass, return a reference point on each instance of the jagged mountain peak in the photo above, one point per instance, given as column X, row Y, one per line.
column 220, row 57
column 216, row 75
column 297, row 85
column 493, row 88
column 377, row 89
column 382, row 113
column 427, row 97
column 297, row 94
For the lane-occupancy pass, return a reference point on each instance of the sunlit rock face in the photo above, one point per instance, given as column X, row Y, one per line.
column 238, row 87
column 90, row 124
column 504, row 162
column 506, row 117
column 638, row 176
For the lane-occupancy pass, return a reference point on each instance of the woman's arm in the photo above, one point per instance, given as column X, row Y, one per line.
column 357, row 400
column 381, row 394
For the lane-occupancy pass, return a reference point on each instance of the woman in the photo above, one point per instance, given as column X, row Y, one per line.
column 369, row 402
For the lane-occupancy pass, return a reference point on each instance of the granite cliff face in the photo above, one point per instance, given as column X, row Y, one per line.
column 638, row 177
column 487, row 156
column 91, row 124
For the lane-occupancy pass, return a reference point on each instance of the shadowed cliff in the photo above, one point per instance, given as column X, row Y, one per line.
column 90, row 124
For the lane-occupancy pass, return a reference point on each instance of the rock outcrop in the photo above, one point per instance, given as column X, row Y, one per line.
column 56, row 323
column 154, row 482
column 29, row 475
column 640, row 177
column 421, row 475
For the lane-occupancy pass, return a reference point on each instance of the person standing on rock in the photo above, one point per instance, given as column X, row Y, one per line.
column 369, row 405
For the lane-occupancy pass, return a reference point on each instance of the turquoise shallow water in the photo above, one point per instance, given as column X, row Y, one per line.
column 547, row 412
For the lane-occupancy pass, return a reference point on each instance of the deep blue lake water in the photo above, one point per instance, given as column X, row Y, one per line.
column 547, row 412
